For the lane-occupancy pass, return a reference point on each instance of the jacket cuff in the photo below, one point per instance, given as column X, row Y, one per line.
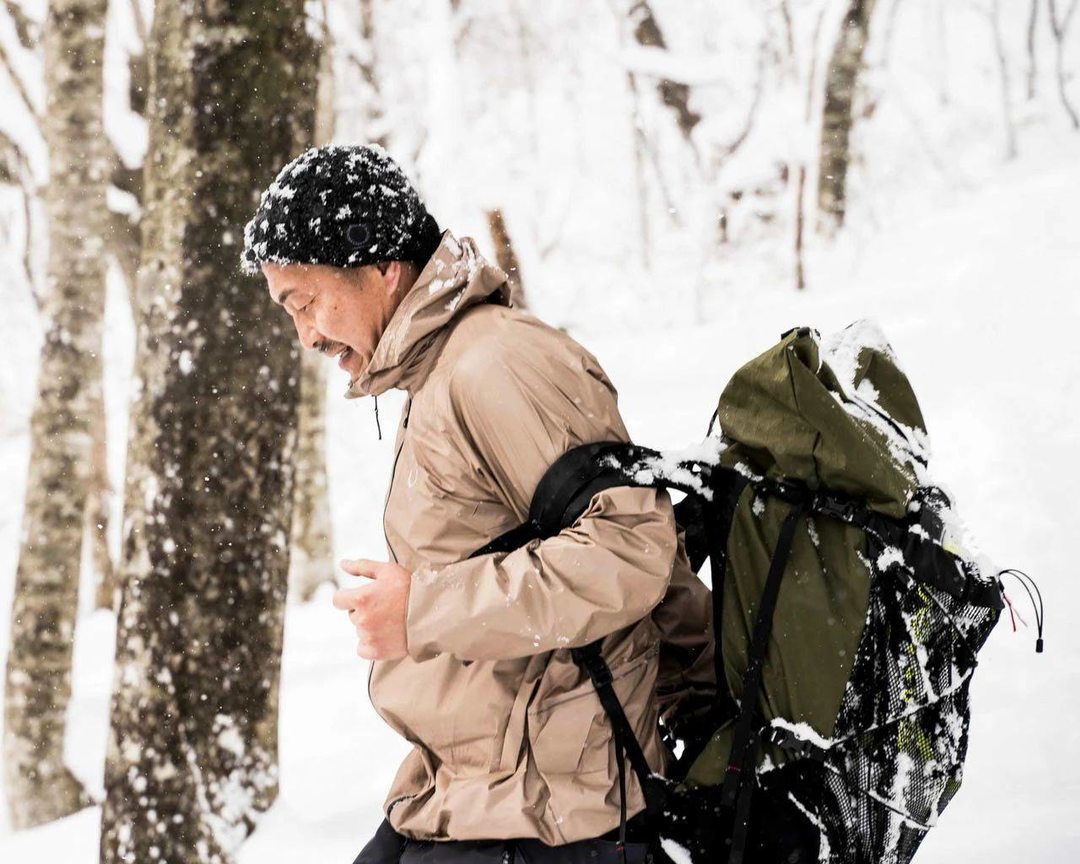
column 422, row 614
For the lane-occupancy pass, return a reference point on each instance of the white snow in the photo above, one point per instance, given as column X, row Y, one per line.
column 803, row 732
column 968, row 266
column 1011, row 349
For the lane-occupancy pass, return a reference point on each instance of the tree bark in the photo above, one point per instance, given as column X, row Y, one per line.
column 312, row 562
column 38, row 686
column 192, row 757
column 97, row 514
column 506, row 257
column 837, row 115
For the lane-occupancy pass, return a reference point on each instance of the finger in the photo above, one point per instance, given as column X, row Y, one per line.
column 362, row 567
column 362, row 623
column 350, row 598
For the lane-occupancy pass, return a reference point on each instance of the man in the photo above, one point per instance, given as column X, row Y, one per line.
column 513, row 758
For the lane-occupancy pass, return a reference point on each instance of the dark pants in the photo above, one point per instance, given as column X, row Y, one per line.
column 389, row 847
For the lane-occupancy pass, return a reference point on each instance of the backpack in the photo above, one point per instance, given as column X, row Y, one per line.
column 847, row 616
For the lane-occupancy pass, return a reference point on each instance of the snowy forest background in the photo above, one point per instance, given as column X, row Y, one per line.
column 667, row 179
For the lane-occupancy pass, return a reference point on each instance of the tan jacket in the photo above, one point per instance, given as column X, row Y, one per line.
column 509, row 737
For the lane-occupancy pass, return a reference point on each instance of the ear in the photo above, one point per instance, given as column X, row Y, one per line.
column 393, row 276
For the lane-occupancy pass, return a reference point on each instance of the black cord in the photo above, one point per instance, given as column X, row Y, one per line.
column 377, row 426
column 1025, row 581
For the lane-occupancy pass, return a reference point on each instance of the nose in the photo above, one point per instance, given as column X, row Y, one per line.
column 309, row 337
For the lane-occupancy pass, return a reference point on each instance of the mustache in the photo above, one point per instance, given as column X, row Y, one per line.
column 326, row 346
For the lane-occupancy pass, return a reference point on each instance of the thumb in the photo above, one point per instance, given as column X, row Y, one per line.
column 361, row 567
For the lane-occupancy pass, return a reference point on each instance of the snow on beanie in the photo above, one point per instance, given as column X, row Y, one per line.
column 343, row 206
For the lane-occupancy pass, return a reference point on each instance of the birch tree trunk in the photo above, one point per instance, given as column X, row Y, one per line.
column 38, row 684
column 312, row 560
column 123, row 237
column 192, row 758
column 837, row 116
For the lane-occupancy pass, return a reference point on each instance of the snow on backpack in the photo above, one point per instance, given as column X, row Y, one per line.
column 847, row 620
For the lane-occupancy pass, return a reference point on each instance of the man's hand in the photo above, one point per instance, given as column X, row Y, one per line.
column 378, row 609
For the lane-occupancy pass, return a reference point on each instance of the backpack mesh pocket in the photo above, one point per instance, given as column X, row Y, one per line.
column 901, row 734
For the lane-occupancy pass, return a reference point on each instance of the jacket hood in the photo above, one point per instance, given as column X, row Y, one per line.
column 455, row 278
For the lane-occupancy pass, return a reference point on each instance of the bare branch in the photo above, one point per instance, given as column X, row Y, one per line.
column 674, row 94
column 1060, row 29
column 141, row 30
column 20, row 87
column 800, row 229
column 890, row 29
column 639, row 169
column 15, row 169
column 811, row 73
column 1032, row 70
column 789, row 30
column 759, row 88
column 1003, row 71
column 26, row 28
column 28, row 246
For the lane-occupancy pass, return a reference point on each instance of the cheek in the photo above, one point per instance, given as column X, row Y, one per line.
column 329, row 319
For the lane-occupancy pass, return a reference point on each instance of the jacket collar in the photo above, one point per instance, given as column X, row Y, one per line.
column 455, row 278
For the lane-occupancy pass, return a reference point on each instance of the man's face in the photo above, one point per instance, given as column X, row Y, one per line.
column 341, row 312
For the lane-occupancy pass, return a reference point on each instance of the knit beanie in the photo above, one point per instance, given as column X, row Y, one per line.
column 343, row 206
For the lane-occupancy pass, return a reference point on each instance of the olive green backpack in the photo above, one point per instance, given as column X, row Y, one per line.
column 842, row 602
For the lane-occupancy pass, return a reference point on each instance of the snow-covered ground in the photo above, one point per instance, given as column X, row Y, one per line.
column 980, row 301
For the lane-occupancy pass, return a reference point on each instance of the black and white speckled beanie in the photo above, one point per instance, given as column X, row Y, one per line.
column 343, row 206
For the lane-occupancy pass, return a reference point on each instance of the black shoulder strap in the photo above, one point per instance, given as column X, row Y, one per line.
column 568, row 485
column 589, row 658
column 565, row 490
column 511, row 540
column 740, row 777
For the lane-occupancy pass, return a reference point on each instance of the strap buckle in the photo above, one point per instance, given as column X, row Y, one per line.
column 794, row 746
column 588, row 657
column 835, row 508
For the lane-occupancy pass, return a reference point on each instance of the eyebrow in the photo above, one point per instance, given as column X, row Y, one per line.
column 284, row 296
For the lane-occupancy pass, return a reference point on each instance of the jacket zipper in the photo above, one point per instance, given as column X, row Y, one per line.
column 393, row 470
column 390, row 488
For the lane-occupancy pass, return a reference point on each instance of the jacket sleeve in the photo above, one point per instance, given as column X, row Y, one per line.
column 602, row 574
column 686, row 680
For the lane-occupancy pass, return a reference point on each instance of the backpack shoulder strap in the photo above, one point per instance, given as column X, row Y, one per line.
column 569, row 484
column 565, row 490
